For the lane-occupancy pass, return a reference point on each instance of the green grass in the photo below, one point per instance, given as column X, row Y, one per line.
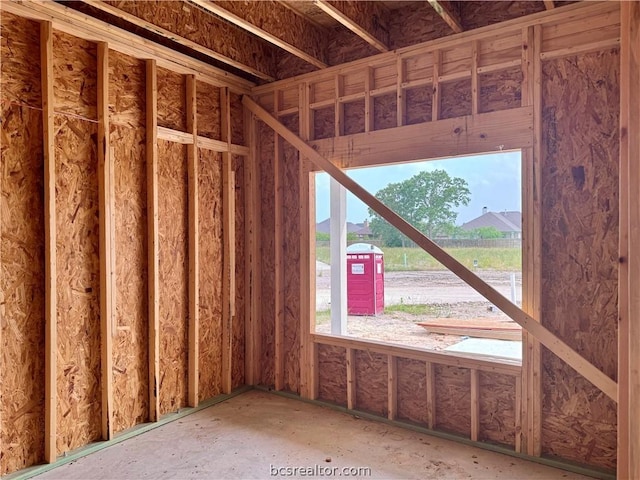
column 503, row 259
column 414, row 308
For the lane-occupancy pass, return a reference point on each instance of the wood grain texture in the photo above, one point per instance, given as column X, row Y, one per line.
column 500, row 90
column 476, row 14
column 22, row 284
column 238, row 333
column 332, row 374
column 354, row 117
column 418, row 105
column 455, row 99
column 172, row 100
column 497, row 408
column 173, row 273
column 323, row 125
column 237, row 119
column 412, row 391
column 416, row 24
column 267, row 250
column 78, row 375
column 453, row 400
column 580, row 250
column 371, row 382
column 385, row 112
column 291, row 254
column 126, row 90
column 208, row 106
column 210, row 237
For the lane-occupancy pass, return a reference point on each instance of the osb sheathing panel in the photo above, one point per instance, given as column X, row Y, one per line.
column 172, row 100
column 78, row 284
column 371, row 382
column 208, row 107
column 211, row 269
column 206, row 29
column 373, row 17
column 418, row 105
column 412, row 390
column 332, row 374
column 580, row 250
column 344, row 46
column 500, row 90
column 74, row 75
column 354, row 117
column 415, row 24
column 455, row 99
column 477, row 14
column 21, row 249
column 497, row 408
column 385, row 112
column 237, row 363
column 292, row 283
column 20, row 77
column 126, row 90
column 267, row 251
column 237, row 119
column 127, row 137
column 453, row 399
column 21, row 285
column 324, row 121
column 173, row 229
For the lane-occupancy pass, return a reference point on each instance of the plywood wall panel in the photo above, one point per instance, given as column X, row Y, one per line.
column 291, row 255
column 385, row 112
column 416, row 24
column 418, row 105
column 324, row 121
column 78, row 284
column 21, row 285
column 476, row 14
column 354, row 117
column 371, row 382
column 412, row 391
column 453, row 399
column 172, row 100
column 74, row 76
column 20, row 78
column 130, row 344
column 456, row 99
column 580, row 250
column 237, row 118
column 126, row 90
column 267, row 251
column 238, row 347
column 500, row 90
column 332, row 374
column 497, row 408
column 211, row 259
column 208, row 106
column 173, row 273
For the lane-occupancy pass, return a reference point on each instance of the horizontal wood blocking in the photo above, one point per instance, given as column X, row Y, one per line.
column 488, row 132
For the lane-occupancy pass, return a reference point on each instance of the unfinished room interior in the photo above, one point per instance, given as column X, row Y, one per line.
column 158, row 237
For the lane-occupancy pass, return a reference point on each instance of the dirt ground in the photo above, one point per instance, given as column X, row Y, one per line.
column 449, row 297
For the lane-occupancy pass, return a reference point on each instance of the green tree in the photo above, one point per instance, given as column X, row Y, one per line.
column 487, row 232
column 426, row 200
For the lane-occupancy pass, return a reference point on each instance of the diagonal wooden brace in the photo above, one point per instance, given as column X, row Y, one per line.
column 526, row 321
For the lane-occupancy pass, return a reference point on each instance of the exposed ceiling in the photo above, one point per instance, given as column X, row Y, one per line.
column 272, row 39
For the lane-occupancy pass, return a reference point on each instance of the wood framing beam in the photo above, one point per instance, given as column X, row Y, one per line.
column 449, row 14
column 392, row 387
column 549, row 4
column 475, row 404
column 51, row 296
column 368, row 20
column 80, row 25
column 153, row 262
column 194, row 244
column 629, row 297
column 351, row 378
column 430, row 387
column 526, row 321
column 278, row 261
column 106, row 181
column 485, row 132
column 278, row 25
column 229, row 246
column 253, row 58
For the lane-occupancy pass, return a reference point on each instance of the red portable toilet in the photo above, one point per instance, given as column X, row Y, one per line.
column 365, row 279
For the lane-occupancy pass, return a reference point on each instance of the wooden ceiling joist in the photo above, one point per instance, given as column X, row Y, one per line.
column 142, row 14
column 368, row 20
column 275, row 23
column 448, row 14
column 549, row 4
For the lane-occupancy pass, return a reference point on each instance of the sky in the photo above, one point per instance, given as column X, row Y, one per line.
column 493, row 179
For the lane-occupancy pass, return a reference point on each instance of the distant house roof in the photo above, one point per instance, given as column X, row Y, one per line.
column 325, row 226
column 502, row 221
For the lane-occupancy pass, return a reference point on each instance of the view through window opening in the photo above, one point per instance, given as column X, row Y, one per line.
column 377, row 285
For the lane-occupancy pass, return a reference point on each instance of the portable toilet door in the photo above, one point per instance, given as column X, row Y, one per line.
column 365, row 279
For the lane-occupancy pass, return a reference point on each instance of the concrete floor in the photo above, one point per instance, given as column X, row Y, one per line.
column 259, row 435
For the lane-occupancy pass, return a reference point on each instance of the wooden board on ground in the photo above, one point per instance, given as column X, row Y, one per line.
column 475, row 327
